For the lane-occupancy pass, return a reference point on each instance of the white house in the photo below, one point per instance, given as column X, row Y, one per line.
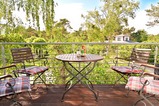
column 122, row 38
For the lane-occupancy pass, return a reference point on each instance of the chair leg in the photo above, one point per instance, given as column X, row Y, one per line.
column 29, row 95
column 14, row 101
column 16, row 104
column 121, row 76
column 14, row 97
column 43, row 82
column 39, row 77
column 156, row 98
column 128, row 93
column 145, row 98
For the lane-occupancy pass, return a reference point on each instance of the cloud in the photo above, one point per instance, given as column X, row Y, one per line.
column 140, row 22
column 141, row 18
column 71, row 12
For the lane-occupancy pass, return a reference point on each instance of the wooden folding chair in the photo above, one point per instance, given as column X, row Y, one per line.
column 11, row 86
column 138, row 56
column 23, row 56
column 146, row 87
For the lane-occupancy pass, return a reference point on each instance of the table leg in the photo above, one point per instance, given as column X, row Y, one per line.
column 83, row 76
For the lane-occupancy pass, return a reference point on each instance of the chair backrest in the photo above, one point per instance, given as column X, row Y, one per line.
column 21, row 55
column 140, row 55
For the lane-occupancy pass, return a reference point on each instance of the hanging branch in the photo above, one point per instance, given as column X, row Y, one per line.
column 35, row 11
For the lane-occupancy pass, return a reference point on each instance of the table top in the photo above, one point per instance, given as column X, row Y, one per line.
column 76, row 58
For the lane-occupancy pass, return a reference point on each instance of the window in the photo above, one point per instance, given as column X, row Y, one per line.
column 118, row 39
column 126, row 39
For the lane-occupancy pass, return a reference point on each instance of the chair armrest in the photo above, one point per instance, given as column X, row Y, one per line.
column 127, row 58
column 150, row 74
column 10, row 66
column 5, row 76
column 13, row 65
column 150, row 66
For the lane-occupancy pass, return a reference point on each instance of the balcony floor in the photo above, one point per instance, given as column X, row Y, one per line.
column 78, row 96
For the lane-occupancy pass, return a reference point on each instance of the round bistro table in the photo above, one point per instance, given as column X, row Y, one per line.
column 81, row 71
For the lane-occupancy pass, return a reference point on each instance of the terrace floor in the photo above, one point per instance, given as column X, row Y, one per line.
column 79, row 96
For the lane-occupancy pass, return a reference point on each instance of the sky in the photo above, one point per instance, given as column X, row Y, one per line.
column 72, row 10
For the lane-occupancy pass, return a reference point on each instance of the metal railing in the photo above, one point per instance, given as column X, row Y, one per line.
column 101, row 74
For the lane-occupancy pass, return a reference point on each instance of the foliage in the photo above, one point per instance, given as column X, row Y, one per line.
column 128, row 30
column 29, row 32
column 33, row 10
column 13, row 37
column 38, row 40
column 31, row 39
column 19, row 29
column 153, row 38
column 110, row 19
column 78, row 36
column 99, row 25
column 139, row 36
column 154, row 14
column 60, row 31
column 1, row 9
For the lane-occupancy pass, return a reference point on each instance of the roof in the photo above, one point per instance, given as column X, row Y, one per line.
column 121, row 35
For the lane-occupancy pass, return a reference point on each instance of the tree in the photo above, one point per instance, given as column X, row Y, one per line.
column 153, row 38
column 111, row 18
column 12, row 37
column 19, row 29
column 60, row 30
column 154, row 14
column 1, row 9
column 34, row 10
column 128, row 30
column 139, row 36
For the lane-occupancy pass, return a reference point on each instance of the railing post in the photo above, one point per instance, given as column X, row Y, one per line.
column 117, row 55
column 3, row 57
column 73, row 48
column 156, row 54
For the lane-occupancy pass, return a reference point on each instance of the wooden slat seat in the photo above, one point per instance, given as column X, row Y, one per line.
column 23, row 56
column 138, row 56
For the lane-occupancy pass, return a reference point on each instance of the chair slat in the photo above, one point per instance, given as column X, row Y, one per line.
column 140, row 55
column 21, row 54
